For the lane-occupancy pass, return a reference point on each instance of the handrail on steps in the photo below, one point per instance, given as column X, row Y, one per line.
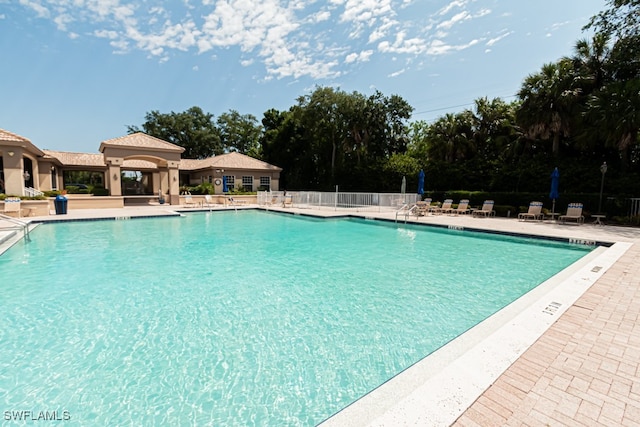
column 24, row 225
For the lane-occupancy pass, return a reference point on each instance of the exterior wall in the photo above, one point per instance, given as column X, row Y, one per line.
column 13, row 181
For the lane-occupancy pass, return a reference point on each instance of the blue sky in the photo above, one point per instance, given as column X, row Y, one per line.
column 74, row 73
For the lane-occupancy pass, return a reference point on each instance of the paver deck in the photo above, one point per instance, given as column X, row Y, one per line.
column 584, row 371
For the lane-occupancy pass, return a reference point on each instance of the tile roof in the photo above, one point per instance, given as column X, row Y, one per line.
column 141, row 140
column 5, row 135
column 228, row 161
column 12, row 139
column 76, row 159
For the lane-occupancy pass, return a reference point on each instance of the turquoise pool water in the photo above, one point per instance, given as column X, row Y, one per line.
column 246, row 318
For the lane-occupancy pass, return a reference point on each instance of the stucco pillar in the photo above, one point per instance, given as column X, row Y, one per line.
column 174, row 182
column 113, row 177
column 13, row 179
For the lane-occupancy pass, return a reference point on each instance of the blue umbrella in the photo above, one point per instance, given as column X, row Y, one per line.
column 224, row 184
column 553, row 194
column 421, row 182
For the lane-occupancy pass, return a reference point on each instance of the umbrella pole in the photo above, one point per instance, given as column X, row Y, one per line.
column 553, row 206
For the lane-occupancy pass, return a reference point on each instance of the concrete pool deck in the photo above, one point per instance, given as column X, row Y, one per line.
column 568, row 353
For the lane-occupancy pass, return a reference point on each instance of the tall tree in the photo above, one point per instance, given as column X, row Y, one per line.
column 192, row 129
column 240, row 133
column 548, row 102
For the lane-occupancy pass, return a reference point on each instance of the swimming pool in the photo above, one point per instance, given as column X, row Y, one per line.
column 244, row 318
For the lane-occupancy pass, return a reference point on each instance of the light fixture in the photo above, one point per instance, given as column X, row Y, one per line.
column 26, row 175
column 603, row 170
column 175, row 179
column 115, row 176
column 10, row 153
column 53, row 168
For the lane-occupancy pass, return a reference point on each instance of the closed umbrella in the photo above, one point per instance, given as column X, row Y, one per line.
column 553, row 194
column 224, row 184
column 421, row 182
column 403, row 187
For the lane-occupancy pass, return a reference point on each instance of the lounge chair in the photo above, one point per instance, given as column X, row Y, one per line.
column 208, row 201
column 188, row 201
column 487, row 210
column 420, row 208
column 445, row 208
column 287, row 201
column 12, row 205
column 534, row 212
column 463, row 207
column 574, row 213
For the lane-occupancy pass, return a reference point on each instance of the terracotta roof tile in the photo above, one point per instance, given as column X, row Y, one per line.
column 227, row 161
column 5, row 135
column 76, row 159
column 141, row 140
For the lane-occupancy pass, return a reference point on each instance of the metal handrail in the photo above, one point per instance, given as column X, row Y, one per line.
column 32, row 192
column 23, row 225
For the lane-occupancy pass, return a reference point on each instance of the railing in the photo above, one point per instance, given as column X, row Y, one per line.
column 24, row 226
column 339, row 200
column 32, row 192
column 634, row 209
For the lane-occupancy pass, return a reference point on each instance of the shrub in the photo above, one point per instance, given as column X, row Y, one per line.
column 99, row 191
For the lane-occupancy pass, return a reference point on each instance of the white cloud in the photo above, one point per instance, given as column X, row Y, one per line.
column 494, row 40
column 290, row 38
column 397, row 73
column 438, row 47
column 358, row 57
column 38, row 8
column 459, row 17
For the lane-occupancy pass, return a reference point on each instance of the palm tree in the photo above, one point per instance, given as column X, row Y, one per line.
column 549, row 103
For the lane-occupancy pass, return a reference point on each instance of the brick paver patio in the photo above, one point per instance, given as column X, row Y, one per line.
column 584, row 371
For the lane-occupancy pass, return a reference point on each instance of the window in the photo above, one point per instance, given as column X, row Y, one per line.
column 247, row 183
column 265, row 183
column 54, row 178
column 231, row 182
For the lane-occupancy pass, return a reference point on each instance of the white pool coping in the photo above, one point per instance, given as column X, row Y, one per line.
column 439, row 388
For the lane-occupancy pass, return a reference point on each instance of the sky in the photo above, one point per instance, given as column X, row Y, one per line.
column 74, row 73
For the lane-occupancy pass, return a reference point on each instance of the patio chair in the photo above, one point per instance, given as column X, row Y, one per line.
column 534, row 212
column 189, row 202
column 420, row 208
column 445, row 208
column 487, row 210
column 12, row 205
column 574, row 213
column 208, row 201
column 463, row 207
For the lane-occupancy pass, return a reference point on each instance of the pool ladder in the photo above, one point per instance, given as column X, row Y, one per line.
column 18, row 225
column 405, row 210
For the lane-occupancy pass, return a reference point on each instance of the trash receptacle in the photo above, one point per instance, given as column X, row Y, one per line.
column 61, row 205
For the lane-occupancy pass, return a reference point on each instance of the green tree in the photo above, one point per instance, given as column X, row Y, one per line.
column 240, row 133
column 192, row 129
column 548, row 101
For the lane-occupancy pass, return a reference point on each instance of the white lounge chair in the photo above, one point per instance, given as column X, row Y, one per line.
column 445, row 208
column 534, row 212
column 189, row 202
column 574, row 213
column 487, row 210
column 463, row 207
